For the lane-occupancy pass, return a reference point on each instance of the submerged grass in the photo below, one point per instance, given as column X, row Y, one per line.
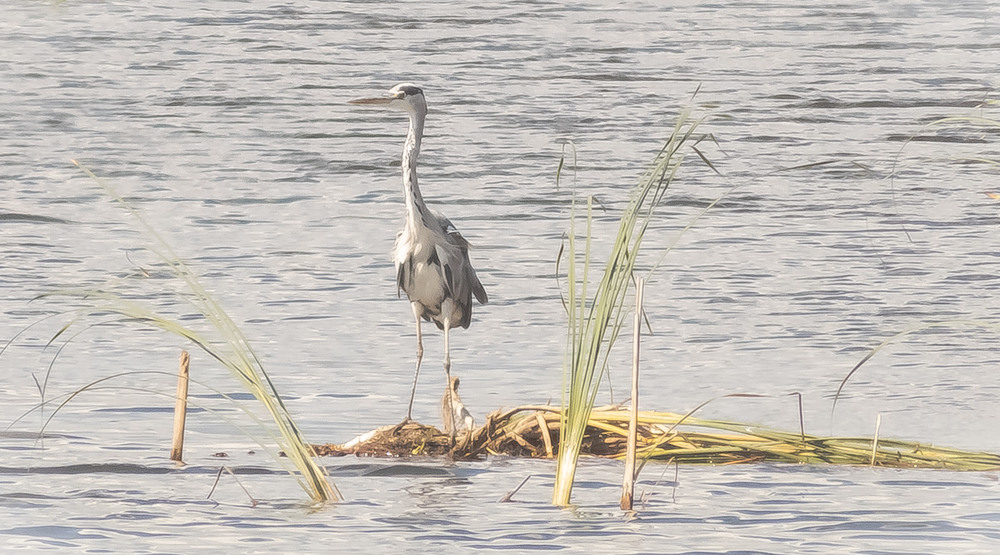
column 233, row 351
column 595, row 320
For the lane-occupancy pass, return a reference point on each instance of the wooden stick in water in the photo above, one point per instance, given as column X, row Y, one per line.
column 628, row 482
column 180, row 408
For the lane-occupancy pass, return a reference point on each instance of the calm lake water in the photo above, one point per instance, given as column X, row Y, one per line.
column 227, row 124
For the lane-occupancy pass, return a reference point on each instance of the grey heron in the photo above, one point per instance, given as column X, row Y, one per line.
column 431, row 256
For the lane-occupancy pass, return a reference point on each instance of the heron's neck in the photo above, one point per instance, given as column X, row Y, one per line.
column 411, row 148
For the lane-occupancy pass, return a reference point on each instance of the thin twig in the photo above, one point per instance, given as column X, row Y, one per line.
column 802, row 420
column 253, row 501
column 507, row 498
column 218, row 476
column 878, row 424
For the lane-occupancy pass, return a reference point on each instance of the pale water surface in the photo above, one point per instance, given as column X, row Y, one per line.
column 227, row 124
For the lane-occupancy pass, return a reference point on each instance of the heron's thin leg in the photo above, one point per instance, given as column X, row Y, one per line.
column 447, row 376
column 417, row 309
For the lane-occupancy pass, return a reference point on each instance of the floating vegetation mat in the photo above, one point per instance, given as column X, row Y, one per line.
column 533, row 431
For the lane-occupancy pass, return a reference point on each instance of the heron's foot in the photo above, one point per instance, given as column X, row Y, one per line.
column 395, row 429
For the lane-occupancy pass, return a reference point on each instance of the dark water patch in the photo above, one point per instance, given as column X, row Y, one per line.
column 234, row 396
column 10, row 434
column 987, row 517
column 398, row 470
column 933, row 483
column 60, row 261
column 74, row 533
column 218, row 101
column 835, row 104
column 972, row 278
column 250, row 201
column 878, row 45
column 12, row 217
column 90, row 468
column 289, row 302
column 313, row 317
column 768, row 139
column 132, row 516
column 737, row 552
column 144, row 410
column 898, row 138
column 342, row 395
column 230, row 221
column 914, row 530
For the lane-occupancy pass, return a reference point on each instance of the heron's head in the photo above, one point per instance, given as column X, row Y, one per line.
column 404, row 96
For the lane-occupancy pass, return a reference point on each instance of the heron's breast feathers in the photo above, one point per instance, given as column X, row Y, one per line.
column 432, row 266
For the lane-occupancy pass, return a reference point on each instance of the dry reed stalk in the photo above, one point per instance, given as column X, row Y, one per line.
column 878, row 424
column 666, row 437
column 628, row 481
column 180, row 408
column 543, row 430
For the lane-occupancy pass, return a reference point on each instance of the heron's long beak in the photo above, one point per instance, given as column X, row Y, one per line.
column 380, row 101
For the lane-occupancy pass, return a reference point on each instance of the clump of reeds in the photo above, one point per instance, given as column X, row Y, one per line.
column 595, row 319
column 534, row 431
column 231, row 349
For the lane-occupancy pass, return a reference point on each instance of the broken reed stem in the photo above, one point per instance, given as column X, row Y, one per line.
column 878, row 424
column 180, row 408
column 543, row 429
column 628, row 482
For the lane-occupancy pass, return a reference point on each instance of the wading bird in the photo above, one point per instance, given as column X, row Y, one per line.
column 431, row 256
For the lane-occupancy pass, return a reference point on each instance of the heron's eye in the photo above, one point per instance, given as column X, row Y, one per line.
column 410, row 91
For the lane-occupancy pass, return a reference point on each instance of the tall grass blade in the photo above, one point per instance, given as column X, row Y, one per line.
column 915, row 329
column 233, row 351
column 595, row 319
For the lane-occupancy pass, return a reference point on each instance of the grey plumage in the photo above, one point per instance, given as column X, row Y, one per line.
column 445, row 261
column 431, row 256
